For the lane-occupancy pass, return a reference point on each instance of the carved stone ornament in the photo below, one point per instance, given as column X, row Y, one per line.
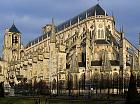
column 100, row 25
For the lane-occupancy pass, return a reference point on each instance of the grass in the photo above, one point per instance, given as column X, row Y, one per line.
column 28, row 100
column 16, row 100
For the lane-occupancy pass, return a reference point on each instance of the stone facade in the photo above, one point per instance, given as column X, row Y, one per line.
column 87, row 45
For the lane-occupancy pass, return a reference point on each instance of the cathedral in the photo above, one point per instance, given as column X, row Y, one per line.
column 85, row 51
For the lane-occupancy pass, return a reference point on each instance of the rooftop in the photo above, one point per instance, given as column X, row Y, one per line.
column 97, row 9
column 14, row 29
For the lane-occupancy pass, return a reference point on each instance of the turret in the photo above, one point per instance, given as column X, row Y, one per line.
column 139, row 51
column 53, row 64
column 12, row 43
column 122, row 51
column 53, row 37
column 122, row 63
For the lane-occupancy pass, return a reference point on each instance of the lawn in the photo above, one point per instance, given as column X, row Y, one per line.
column 31, row 100
column 16, row 100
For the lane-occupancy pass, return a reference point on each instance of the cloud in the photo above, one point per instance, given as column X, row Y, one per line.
column 31, row 15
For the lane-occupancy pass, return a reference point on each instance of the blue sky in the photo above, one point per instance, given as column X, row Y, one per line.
column 31, row 15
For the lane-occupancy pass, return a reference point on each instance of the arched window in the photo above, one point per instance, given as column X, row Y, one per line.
column 100, row 34
column 126, row 80
column 93, row 32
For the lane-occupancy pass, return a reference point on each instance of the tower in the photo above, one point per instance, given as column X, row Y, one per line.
column 122, row 62
column 53, row 75
column 12, row 44
column 88, row 55
column 122, row 51
column 139, row 51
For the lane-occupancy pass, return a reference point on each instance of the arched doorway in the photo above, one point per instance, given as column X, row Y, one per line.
column 75, row 82
column 105, row 80
column 115, row 84
column 126, row 81
column 96, row 82
column 135, row 75
column 54, row 86
column 138, row 80
column 82, row 81
column 70, row 83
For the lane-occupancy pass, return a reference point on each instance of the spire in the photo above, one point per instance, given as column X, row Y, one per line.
column 78, row 19
column 53, row 38
column 105, row 12
column 98, row 1
column 86, row 15
column 122, row 32
column 14, row 29
column 13, row 22
column 122, row 29
column 139, row 38
column 113, row 16
column 95, row 13
column 99, row 10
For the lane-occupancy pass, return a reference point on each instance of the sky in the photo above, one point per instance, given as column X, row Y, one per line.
column 30, row 16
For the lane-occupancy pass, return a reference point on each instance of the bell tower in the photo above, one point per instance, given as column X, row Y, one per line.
column 12, row 43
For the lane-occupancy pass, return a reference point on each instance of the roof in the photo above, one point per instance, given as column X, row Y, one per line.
column 101, row 41
column 14, row 29
column 99, row 10
column 88, row 13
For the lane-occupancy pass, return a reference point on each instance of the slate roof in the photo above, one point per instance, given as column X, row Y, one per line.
column 88, row 13
column 14, row 29
column 101, row 42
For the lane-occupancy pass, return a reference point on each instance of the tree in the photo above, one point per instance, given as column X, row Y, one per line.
column 41, row 88
column 2, row 89
column 132, row 97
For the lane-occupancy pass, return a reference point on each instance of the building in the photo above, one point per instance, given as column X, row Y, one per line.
column 85, row 50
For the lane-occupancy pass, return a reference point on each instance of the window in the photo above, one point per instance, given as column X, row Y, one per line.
column 90, row 35
column 101, row 34
column 14, row 39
